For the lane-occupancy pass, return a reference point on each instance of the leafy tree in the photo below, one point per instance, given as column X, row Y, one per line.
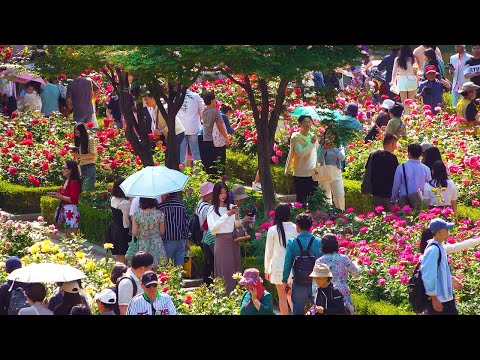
column 166, row 71
column 264, row 71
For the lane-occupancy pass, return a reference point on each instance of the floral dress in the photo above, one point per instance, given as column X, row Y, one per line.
column 340, row 266
column 149, row 238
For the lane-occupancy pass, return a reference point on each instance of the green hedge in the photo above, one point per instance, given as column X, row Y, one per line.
column 93, row 221
column 363, row 204
column 364, row 306
column 19, row 199
column 244, row 167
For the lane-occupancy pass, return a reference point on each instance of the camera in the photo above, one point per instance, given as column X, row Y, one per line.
column 252, row 211
column 427, row 91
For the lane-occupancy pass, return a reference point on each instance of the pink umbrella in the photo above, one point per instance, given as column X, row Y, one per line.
column 20, row 78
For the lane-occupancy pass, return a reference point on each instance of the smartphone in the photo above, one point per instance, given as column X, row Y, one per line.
column 74, row 149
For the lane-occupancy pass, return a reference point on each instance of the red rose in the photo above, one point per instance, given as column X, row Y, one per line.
column 90, row 124
column 35, row 121
column 45, row 166
column 15, row 158
column 12, row 170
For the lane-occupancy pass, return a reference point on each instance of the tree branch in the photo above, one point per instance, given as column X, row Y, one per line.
column 277, row 109
column 251, row 98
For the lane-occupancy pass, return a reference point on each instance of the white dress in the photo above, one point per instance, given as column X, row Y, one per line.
column 275, row 252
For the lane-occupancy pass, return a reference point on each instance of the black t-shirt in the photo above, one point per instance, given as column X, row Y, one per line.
column 384, row 164
column 475, row 79
column 114, row 105
column 471, row 112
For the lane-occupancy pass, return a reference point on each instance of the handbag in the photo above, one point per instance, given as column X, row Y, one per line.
column 322, row 173
column 218, row 139
column 132, row 249
column 413, row 200
column 60, row 214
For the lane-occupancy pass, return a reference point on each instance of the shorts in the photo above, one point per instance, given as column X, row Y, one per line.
column 407, row 83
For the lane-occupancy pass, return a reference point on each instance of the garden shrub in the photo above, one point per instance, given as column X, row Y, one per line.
column 365, row 306
column 19, row 199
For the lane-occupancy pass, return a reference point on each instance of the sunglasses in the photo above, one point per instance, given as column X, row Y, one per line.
column 150, row 285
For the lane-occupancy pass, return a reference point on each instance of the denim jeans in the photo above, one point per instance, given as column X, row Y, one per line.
column 192, row 141
column 82, row 119
column 89, row 175
column 175, row 250
column 301, row 294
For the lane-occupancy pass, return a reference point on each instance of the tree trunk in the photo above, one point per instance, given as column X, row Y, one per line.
column 171, row 158
column 142, row 146
column 265, row 145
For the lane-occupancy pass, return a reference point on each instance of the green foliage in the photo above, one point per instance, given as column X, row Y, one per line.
column 365, row 306
column 354, row 197
column 20, row 199
column 196, row 253
column 244, row 168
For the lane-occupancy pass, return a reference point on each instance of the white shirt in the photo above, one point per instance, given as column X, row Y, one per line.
column 135, row 204
column 190, row 112
column 447, row 195
column 274, row 251
column 153, row 114
column 125, row 289
column 163, row 305
column 222, row 224
column 123, row 205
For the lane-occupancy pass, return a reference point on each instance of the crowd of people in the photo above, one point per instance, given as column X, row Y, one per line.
column 147, row 233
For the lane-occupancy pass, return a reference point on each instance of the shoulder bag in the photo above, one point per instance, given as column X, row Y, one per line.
column 413, row 200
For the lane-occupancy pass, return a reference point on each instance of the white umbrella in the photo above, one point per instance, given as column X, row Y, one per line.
column 46, row 272
column 153, row 181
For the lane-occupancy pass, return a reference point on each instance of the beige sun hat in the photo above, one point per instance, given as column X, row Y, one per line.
column 320, row 271
column 468, row 86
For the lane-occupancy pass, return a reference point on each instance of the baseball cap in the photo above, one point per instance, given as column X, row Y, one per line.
column 387, row 104
column 439, row 224
column 149, row 277
column 13, row 263
column 71, row 287
column 106, row 296
column 430, row 68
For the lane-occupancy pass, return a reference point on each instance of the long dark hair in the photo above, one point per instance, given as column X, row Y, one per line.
column 117, row 190
column 217, row 189
column 69, row 300
column 282, row 214
column 431, row 155
column 426, row 235
column 82, row 140
column 439, row 174
column 432, row 57
column 36, row 85
column 75, row 173
column 405, row 53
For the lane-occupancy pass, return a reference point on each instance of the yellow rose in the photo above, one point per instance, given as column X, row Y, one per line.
column 108, row 246
column 55, row 248
column 89, row 265
column 34, row 249
column 60, row 255
column 80, row 254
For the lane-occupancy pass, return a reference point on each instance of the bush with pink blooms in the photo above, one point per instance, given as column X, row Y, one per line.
column 34, row 149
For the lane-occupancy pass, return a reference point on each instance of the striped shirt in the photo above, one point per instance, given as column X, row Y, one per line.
column 162, row 305
column 176, row 220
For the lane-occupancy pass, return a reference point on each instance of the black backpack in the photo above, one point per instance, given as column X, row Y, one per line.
column 195, row 228
column 18, row 301
column 304, row 263
column 114, row 288
column 416, row 290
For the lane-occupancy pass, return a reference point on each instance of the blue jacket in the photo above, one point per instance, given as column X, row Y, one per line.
column 436, row 278
column 293, row 250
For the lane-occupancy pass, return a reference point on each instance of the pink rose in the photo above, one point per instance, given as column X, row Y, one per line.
column 381, row 281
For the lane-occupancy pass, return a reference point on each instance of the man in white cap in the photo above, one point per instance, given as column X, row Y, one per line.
column 106, row 300
column 382, row 120
column 455, row 68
